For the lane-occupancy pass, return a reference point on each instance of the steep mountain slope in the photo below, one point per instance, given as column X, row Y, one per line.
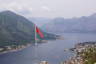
column 15, row 28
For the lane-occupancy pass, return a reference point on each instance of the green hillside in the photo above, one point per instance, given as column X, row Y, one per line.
column 16, row 29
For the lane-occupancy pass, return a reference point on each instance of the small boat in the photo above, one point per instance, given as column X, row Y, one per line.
column 43, row 62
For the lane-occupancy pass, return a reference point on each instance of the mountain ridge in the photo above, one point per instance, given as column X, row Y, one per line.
column 84, row 24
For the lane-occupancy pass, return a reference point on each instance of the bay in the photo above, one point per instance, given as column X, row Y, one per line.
column 53, row 51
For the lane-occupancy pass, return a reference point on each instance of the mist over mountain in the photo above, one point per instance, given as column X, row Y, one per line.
column 40, row 21
column 84, row 24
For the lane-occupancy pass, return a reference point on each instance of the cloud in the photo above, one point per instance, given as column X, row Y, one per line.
column 46, row 8
column 17, row 7
column 50, row 8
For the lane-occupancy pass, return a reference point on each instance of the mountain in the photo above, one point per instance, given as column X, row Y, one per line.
column 16, row 29
column 84, row 24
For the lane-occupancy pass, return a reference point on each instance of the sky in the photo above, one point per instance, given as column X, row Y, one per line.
column 50, row 8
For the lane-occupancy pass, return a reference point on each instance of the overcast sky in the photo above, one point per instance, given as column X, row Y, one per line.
column 50, row 8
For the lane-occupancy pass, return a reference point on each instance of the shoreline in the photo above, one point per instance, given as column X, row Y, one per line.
column 16, row 50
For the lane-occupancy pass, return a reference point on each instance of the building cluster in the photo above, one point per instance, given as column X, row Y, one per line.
column 79, row 49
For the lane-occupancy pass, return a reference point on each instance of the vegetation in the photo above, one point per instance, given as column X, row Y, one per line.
column 89, row 55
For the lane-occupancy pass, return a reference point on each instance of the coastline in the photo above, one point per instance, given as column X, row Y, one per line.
column 19, row 48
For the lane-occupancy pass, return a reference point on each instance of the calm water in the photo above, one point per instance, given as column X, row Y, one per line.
column 53, row 51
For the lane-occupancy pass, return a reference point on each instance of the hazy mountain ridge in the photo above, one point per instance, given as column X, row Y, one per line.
column 79, row 25
column 40, row 20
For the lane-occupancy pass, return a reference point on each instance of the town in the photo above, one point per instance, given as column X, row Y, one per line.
column 85, row 53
